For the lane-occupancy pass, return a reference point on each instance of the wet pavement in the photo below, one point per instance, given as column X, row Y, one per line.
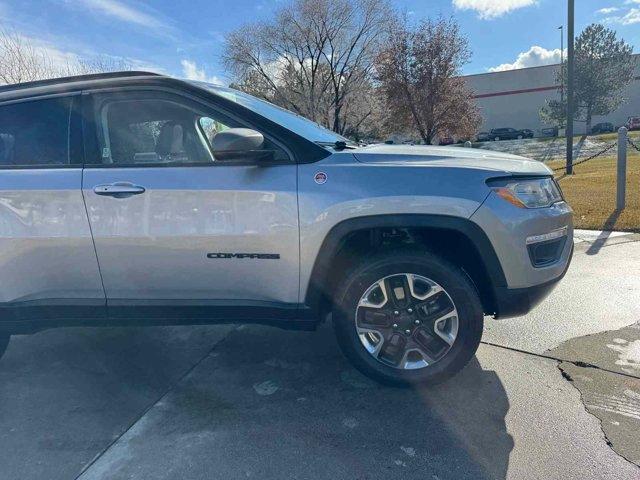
column 613, row 398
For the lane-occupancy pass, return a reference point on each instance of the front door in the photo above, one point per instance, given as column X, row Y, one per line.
column 173, row 227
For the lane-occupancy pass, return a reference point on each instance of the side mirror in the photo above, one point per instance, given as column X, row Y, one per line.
column 239, row 145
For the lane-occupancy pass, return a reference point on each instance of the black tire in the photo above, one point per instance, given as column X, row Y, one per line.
column 456, row 283
column 4, row 342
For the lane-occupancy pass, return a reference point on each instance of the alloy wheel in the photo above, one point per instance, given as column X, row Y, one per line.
column 406, row 321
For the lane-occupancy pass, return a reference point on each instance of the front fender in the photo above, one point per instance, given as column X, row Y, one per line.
column 318, row 279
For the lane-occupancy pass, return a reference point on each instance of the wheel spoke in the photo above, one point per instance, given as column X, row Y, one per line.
column 398, row 290
column 415, row 358
column 376, row 296
column 366, row 336
column 445, row 329
column 374, row 317
column 430, row 343
column 393, row 350
column 419, row 292
column 436, row 307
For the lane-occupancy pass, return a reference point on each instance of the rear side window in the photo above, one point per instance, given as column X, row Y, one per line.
column 35, row 133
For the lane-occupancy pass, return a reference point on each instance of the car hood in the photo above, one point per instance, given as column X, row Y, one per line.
column 454, row 157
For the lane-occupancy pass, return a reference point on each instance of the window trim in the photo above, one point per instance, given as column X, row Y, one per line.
column 74, row 107
column 91, row 129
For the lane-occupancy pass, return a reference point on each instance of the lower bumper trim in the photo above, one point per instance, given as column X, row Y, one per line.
column 515, row 302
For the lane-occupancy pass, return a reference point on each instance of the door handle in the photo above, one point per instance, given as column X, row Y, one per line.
column 118, row 189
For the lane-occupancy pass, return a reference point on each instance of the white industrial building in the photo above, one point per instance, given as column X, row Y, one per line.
column 513, row 98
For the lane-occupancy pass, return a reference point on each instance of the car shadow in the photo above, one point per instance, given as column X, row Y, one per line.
column 264, row 403
column 275, row 404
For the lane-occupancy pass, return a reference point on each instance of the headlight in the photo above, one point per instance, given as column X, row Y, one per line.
column 529, row 193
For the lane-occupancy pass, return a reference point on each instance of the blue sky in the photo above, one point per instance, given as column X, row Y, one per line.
column 185, row 38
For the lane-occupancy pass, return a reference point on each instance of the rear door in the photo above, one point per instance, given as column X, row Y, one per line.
column 177, row 231
column 48, row 266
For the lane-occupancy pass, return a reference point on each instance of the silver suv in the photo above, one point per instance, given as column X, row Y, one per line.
column 133, row 198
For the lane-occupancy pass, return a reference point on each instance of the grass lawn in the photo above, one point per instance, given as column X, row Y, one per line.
column 591, row 192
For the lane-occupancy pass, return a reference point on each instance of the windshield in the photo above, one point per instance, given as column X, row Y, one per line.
column 291, row 121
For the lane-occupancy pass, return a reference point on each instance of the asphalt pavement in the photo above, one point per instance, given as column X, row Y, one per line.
column 555, row 394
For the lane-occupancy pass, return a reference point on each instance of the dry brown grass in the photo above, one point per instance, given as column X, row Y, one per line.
column 591, row 191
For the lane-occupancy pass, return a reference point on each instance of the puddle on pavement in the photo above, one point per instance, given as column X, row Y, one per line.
column 607, row 374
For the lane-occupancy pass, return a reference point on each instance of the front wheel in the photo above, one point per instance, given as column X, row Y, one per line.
column 4, row 342
column 408, row 317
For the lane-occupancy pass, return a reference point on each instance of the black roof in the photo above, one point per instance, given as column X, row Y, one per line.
column 76, row 78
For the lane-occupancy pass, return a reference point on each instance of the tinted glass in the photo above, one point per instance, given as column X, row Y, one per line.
column 149, row 129
column 138, row 131
column 289, row 120
column 35, row 133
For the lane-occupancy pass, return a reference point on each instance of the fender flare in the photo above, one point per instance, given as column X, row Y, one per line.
column 336, row 236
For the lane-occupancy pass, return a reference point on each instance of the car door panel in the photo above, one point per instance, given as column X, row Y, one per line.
column 163, row 243
column 45, row 242
column 191, row 230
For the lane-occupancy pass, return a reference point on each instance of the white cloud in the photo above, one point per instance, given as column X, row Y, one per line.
column 125, row 13
column 631, row 17
column 534, row 57
column 607, row 10
column 191, row 71
column 488, row 9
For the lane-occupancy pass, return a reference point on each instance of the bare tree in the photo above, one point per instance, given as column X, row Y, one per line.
column 313, row 57
column 419, row 77
column 99, row 64
column 604, row 67
column 21, row 61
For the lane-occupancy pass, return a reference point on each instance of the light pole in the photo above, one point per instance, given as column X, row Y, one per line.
column 570, row 58
column 561, row 28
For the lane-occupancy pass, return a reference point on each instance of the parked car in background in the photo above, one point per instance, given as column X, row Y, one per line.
column 498, row 134
column 633, row 123
column 446, row 140
column 484, row 136
column 603, row 127
column 527, row 133
column 549, row 132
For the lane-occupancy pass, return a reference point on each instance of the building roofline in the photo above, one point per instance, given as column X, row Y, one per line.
column 511, row 70
column 637, row 55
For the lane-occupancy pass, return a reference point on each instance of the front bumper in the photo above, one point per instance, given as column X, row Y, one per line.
column 529, row 274
column 508, row 229
column 514, row 302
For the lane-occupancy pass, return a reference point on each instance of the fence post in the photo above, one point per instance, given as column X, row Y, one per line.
column 622, row 168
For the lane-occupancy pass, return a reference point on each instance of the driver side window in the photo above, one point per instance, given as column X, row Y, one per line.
column 148, row 129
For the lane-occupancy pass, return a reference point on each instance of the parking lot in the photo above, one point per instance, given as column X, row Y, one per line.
column 555, row 394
